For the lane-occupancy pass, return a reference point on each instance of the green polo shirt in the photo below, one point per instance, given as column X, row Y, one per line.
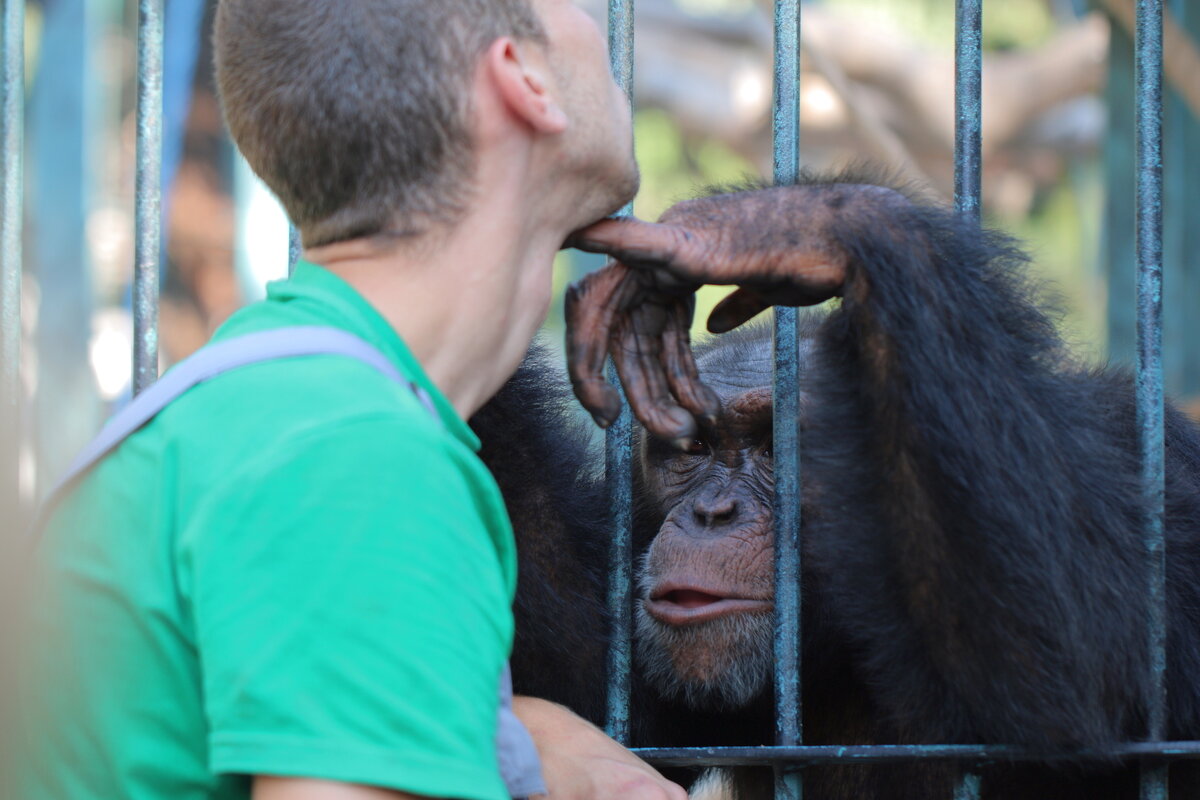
column 293, row 570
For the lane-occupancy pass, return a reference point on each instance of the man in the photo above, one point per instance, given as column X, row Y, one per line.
column 294, row 583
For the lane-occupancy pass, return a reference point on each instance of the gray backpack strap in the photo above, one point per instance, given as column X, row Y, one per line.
column 520, row 765
column 518, row 759
column 216, row 359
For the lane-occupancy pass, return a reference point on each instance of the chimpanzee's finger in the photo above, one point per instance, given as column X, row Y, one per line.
column 621, row 234
column 683, row 375
column 636, row 348
column 590, row 308
column 736, row 309
column 648, row 246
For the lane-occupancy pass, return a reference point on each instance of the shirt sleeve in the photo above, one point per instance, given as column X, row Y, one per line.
column 352, row 615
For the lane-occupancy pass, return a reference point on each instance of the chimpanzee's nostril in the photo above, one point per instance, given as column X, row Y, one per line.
column 711, row 512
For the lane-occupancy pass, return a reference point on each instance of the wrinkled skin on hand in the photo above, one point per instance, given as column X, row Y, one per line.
column 774, row 244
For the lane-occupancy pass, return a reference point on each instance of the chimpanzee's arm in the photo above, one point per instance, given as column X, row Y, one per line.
column 976, row 506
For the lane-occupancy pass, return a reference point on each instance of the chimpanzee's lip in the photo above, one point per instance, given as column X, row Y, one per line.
column 689, row 605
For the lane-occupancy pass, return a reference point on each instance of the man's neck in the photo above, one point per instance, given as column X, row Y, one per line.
column 468, row 304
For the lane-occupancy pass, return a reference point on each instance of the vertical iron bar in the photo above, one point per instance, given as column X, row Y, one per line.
column 1148, row 105
column 1155, row 782
column 618, row 460
column 968, row 105
column 968, row 787
column 12, row 131
column 148, row 204
column 968, row 162
column 788, row 701
column 294, row 248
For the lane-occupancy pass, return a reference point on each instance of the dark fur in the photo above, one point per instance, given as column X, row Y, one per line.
column 541, row 455
column 973, row 557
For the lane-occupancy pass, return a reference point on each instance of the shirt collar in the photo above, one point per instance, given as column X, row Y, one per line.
column 343, row 307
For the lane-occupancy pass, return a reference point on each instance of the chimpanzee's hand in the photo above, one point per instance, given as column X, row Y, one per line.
column 647, row 329
column 774, row 244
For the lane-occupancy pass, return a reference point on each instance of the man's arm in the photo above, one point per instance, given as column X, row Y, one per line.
column 579, row 763
column 267, row 787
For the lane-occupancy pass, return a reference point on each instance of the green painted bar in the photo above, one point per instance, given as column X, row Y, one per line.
column 12, row 131
column 968, row 106
column 295, row 248
column 618, row 457
column 148, row 207
column 789, row 704
column 1148, row 64
column 968, row 787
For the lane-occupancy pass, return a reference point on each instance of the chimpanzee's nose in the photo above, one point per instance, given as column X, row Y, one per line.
column 712, row 512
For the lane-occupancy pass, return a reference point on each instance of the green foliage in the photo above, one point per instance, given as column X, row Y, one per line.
column 1062, row 234
column 674, row 168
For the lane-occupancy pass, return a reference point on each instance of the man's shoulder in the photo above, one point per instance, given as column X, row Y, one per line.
column 274, row 411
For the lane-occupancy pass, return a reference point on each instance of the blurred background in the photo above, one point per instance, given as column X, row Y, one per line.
column 877, row 88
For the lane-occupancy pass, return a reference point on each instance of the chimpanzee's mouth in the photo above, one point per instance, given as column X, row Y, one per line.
column 689, row 598
column 688, row 605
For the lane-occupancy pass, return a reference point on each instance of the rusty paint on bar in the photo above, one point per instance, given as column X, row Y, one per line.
column 968, row 105
column 148, row 204
column 618, row 458
column 295, row 248
column 12, row 130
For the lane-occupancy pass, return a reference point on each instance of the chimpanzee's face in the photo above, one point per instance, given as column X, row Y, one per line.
column 706, row 581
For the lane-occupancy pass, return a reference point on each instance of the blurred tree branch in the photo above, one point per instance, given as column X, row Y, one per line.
column 867, row 88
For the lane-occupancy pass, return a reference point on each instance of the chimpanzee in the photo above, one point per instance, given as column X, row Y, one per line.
column 973, row 560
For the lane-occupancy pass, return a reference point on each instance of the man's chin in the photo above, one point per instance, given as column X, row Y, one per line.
column 616, row 192
column 720, row 665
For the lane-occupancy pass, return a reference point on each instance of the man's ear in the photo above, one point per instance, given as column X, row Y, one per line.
column 522, row 83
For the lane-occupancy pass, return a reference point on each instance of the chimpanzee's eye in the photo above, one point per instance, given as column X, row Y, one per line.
column 698, row 447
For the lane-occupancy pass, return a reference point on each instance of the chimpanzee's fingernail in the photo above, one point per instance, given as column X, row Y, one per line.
column 601, row 421
column 682, row 421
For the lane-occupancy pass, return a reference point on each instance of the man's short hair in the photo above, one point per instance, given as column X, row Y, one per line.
column 356, row 113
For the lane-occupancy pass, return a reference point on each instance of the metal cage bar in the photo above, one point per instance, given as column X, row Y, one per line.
column 968, row 105
column 618, row 458
column 148, row 204
column 789, row 711
column 812, row 755
column 12, row 131
column 295, row 247
column 968, row 173
column 1148, row 105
